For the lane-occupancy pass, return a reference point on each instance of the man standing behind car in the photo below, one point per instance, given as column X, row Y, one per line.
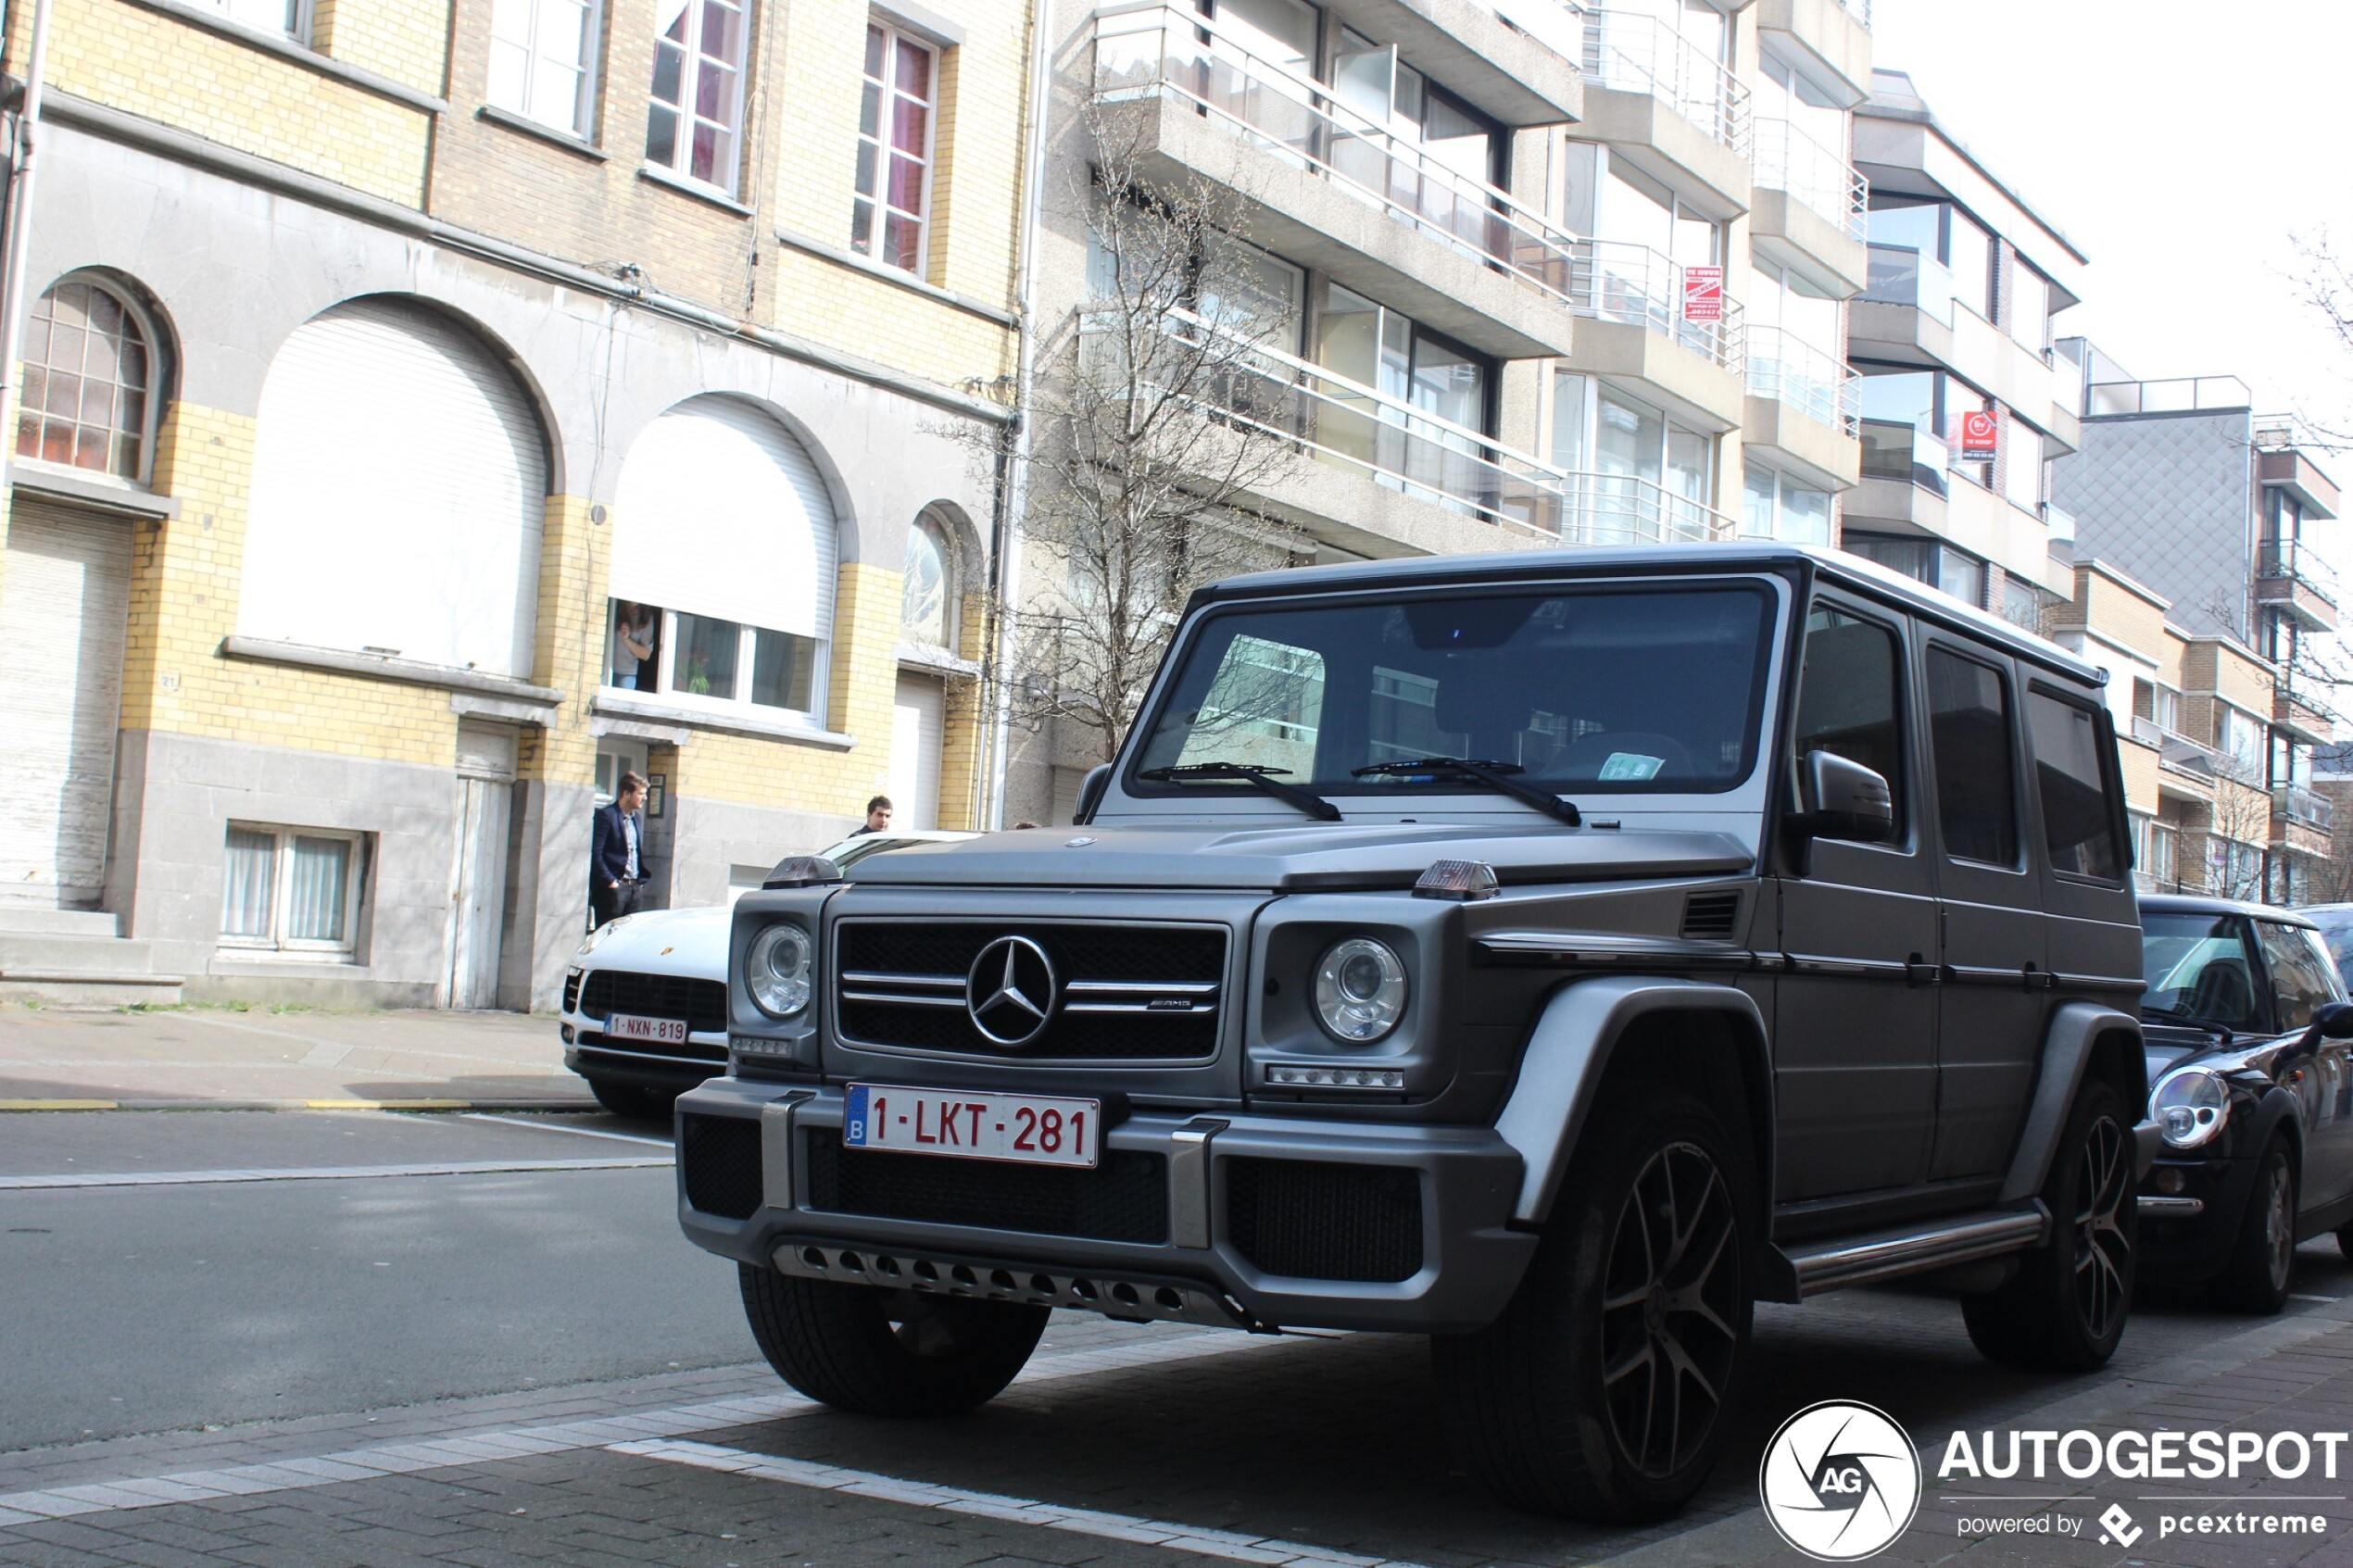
column 616, row 863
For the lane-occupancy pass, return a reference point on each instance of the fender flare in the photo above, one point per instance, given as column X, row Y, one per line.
column 1568, row 1054
column 2075, row 1029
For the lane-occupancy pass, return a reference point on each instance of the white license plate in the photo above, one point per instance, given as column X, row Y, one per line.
column 629, row 1026
column 1030, row 1129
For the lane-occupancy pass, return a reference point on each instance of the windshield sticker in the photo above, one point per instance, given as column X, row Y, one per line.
column 1632, row 765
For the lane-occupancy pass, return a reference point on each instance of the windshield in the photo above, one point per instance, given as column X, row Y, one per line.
column 2197, row 967
column 1603, row 689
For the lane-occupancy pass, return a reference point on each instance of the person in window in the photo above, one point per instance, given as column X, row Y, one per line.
column 616, row 859
column 878, row 817
column 633, row 642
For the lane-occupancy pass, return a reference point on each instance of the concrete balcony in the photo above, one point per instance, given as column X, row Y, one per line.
column 1633, row 334
column 2297, row 580
column 1514, row 61
column 1834, row 37
column 1668, row 109
column 1808, row 210
column 1908, row 315
column 2287, row 467
column 2307, row 807
column 1803, row 407
column 2303, row 719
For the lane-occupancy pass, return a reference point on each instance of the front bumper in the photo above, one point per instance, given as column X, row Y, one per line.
column 2180, row 1246
column 763, row 1180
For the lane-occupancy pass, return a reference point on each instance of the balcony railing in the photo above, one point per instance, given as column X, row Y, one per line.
column 1615, row 281
column 1801, row 376
column 2287, row 558
column 1559, row 25
column 1859, row 9
column 1901, row 451
column 2307, row 806
column 1901, row 275
column 1636, row 53
column 1153, row 49
column 1788, row 159
column 2178, row 396
column 1403, row 447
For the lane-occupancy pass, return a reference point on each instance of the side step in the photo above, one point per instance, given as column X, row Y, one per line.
column 1866, row 1260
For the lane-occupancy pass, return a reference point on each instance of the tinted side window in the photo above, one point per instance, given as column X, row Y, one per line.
column 2076, row 786
column 2299, row 977
column 1847, row 696
column 1969, row 717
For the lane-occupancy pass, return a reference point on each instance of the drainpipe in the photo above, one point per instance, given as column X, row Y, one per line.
column 1006, row 563
column 19, row 217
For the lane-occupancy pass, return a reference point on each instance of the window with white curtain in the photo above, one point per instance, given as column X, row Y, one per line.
column 926, row 592
column 540, row 56
column 890, row 218
column 291, row 18
column 695, row 119
column 293, row 890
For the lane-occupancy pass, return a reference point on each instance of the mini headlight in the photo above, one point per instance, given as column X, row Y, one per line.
column 776, row 970
column 2190, row 1107
column 1359, row 990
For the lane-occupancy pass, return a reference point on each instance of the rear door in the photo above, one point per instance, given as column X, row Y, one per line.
column 2078, row 800
column 1990, row 1017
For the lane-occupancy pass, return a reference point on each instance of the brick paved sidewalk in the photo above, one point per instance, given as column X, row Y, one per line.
column 206, row 1057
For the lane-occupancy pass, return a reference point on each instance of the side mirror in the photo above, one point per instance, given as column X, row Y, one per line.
column 1844, row 799
column 1092, row 790
column 2333, row 1020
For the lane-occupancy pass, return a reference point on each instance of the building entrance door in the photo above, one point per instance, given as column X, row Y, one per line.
column 478, row 896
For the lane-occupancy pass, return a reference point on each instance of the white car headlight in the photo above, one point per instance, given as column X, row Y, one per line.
column 776, row 969
column 2190, row 1107
column 1359, row 990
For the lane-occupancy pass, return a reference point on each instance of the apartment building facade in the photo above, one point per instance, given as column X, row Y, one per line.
column 1967, row 396
column 2183, row 485
column 385, row 360
column 1524, row 272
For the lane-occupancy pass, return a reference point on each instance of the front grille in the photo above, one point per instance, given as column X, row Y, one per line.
column 1124, row 1199
column 1306, row 1220
column 1711, row 916
column 1129, row 993
column 702, row 1003
column 718, row 1156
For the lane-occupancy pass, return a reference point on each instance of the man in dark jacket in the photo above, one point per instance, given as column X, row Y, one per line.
column 616, row 852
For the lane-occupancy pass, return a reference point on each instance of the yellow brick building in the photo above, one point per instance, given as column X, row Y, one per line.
column 376, row 352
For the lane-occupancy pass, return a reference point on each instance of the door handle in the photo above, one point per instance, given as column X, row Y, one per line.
column 1918, row 972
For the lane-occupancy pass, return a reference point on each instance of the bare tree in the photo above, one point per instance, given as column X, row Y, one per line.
column 2242, row 815
column 1158, row 420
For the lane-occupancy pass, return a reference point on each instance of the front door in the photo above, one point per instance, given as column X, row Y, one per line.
column 478, row 898
column 2300, row 987
column 1854, row 1017
column 917, row 722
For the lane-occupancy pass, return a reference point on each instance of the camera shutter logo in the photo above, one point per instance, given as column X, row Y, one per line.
column 1840, row 1482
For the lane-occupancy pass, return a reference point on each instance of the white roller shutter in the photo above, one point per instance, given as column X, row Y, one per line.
column 917, row 723
column 399, row 488
column 63, row 598
column 720, row 512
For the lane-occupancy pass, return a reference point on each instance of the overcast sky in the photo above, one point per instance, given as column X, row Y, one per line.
column 2180, row 146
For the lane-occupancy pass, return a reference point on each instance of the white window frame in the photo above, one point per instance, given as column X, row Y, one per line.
column 682, row 152
column 893, row 39
column 152, row 394
column 927, row 526
column 584, row 109
column 281, row 886
column 821, row 660
column 298, row 25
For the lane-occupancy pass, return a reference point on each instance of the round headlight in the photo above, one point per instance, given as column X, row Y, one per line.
column 1359, row 990
column 2190, row 1107
column 776, row 970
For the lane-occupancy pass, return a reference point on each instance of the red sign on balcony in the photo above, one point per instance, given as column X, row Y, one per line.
column 1980, row 435
column 1703, row 294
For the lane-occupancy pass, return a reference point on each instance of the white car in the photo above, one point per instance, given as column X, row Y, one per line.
column 645, row 1009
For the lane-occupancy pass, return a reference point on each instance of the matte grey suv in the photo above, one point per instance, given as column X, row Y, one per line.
column 1553, row 954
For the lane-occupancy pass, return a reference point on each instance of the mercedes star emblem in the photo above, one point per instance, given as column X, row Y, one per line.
column 1010, row 990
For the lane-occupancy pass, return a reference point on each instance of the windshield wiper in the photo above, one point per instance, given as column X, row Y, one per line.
column 2194, row 1021
column 1494, row 775
column 1306, row 800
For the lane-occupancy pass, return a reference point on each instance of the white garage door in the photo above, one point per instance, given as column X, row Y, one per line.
column 917, row 718
column 398, row 486
column 63, row 598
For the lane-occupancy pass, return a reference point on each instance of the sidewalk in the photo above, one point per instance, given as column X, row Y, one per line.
column 217, row 1058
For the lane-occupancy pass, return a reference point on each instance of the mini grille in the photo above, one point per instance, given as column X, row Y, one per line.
column 1711, row 916
column 1307, row 1220
column 1128, row 992
column 1125, row 1198
column 702, row 1003
column 719, row 1162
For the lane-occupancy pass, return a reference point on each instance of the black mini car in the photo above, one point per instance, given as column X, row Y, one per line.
column 2246, row 1027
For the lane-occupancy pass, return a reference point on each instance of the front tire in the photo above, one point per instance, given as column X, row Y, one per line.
column 1605, row 1391
column 2263, row 1259
column 2065, row 1308
column 888, row 1352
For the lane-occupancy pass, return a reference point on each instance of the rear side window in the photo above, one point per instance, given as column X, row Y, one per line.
column 1969, row 717
column 2078, row 823
column 2300, row 977
column 1847, row 698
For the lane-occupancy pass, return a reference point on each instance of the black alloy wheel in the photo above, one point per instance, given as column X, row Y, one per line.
column 2103, row 1249
column 1669, row 1299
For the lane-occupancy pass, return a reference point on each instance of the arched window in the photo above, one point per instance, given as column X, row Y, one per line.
column 89, row 398
column 927, row 600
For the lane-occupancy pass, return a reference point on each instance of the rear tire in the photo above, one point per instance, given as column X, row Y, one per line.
column 1604, row 1392
column 631, row 1100
column 2064, row 1310
column 2263, row 1259
column 888, row 1352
